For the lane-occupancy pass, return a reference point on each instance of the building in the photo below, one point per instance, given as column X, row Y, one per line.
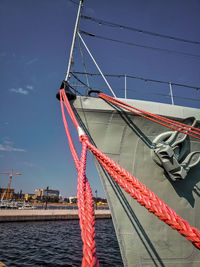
column 28, row 197
column 72, row 200
column 50, row 194
column 19, row 196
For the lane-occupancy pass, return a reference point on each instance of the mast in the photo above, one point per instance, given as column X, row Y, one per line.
column 72, row 49
column 74, row 38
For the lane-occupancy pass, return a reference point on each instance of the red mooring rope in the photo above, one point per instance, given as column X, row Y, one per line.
column 129, row 183
column 145, row 197
column 180, row 127
column 84, row 193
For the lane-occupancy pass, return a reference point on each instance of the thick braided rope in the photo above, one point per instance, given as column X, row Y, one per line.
column 175, row 123
column 85, row 200
column 86, row 215
column 146, row 197
column 161, row 211
column 81, row 204
column 89, row 225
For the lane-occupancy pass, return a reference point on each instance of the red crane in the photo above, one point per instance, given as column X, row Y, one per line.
column 10, row 179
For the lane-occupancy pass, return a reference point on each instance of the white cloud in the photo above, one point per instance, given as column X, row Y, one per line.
column 19, row 91
column 30, row 87
column 22, row 91
column 8, row 147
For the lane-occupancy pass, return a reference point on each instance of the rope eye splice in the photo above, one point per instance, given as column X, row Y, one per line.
column 90, row 91
column 129, row 183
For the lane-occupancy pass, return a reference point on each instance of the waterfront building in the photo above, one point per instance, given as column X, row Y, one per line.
column 29, row 196
column 51, row 194
column 72, row 200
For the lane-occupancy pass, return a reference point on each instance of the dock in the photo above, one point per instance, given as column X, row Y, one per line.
column 46, row 215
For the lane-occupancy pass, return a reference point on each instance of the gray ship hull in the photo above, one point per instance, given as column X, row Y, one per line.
column 144, row 240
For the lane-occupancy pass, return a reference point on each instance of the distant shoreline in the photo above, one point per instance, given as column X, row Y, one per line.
column 66, row 205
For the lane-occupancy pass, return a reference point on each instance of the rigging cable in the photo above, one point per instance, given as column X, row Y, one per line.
column 83, row 60
column 75, row 90
column 139, row 78
column 73, row 2
column 111, row 24
column 130, row 90
column 80, row 80
column 139, row 45
column 139, row 91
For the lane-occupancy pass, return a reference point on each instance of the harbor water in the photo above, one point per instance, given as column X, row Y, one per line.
column 55, row 243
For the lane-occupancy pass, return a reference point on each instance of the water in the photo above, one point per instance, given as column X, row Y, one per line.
column 55, row 243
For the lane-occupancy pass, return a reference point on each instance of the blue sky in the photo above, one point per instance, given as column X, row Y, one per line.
column 34, row 49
